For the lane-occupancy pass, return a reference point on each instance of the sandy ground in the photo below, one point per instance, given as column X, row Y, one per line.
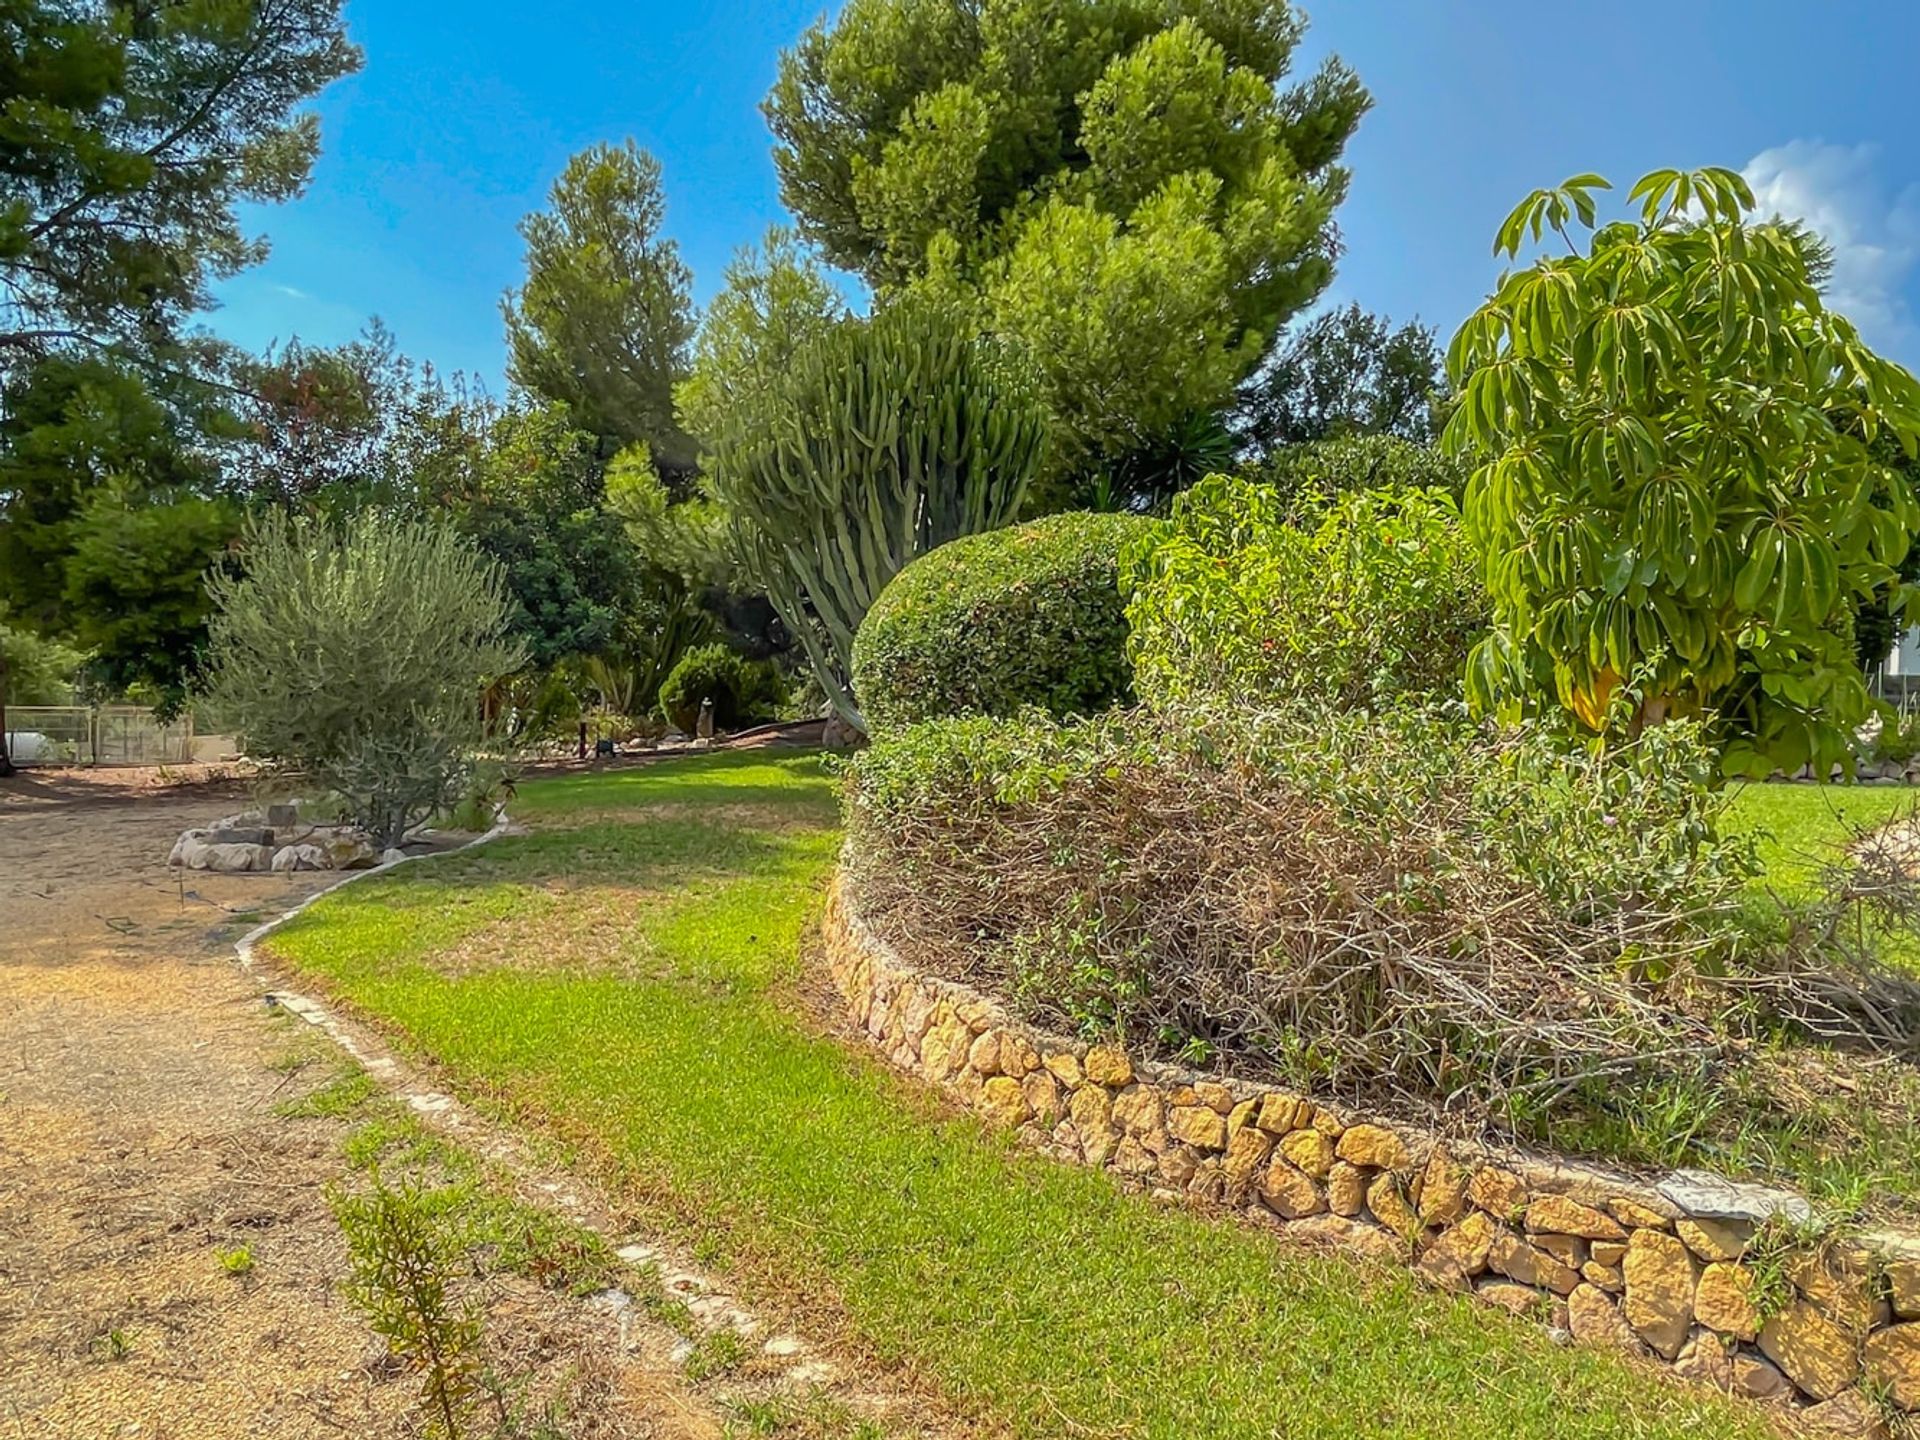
column 138, row 1139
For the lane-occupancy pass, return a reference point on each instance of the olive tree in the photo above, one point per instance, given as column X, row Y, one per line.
column 354, row 658
column 1682, row 489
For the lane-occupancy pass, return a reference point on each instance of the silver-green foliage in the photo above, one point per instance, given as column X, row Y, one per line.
column 884, row 439
column 355, row 658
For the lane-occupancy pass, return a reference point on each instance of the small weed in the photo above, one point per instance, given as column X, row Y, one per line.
column 821, row 1417
column 407, row 1262
column 720, row 1353
column 237, row 1262
column 349, row 1089
column 112, row 1344
column 710, row 1251
column 290, row 1062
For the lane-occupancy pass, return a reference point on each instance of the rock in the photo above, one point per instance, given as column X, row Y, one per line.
column 1557, row 1215
column 393, row 856
column 1214, row 1096
column 1044, row 1097
column 1130, row 1157
column 1849, row 1414
column 1459, row 1255
column 1199, row 1126
column 1178, row 1166
column 1018, row 1058
column 1443, row 1189
column 1004, row 1102
column 1500, row 1193
column 1517, row 1260
column 1893, row 1364
column 1065, row 1067
column 1700, row 1193
column 1595, row 1320
column 944, row 1048
column 839, row 734
column 1515, row 1299
column 1209, row 1183
column 1607, row 1252
column 1715, row 1240
column 240, row 835
column 1241, row 1117
column 1281, row 1113
column 1723, row 1302
column 1903, row 1281
column 1310, row 1151
column 1290, row 1194
column 1109, row 1065
column 1569, row 1250
column 1323, row 1120
column 283, row 817
column 1247, row 1151
column 1638, row 1215
column 1374, row 1146
column 1357, row 1236
column 983, row 1056
column 346, row 849
column 291, row 858
column 1759, row 1379
column 1661, row 1278
column 1139, row 1110
column 1346, row 1189
column 1816, row 1354
column 1705, row 1360
column 1390, row 1208
column 1092, row 1112
column 1839, row 1284
column 1608, row 1277
column 197, row 854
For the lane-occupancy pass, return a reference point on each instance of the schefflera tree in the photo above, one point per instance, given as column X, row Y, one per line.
column 1682, row 489
column 884, row 438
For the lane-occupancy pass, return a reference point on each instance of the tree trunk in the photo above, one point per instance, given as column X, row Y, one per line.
column 6, row 760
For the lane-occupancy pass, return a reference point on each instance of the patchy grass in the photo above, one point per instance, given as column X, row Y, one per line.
column 1043, row 1298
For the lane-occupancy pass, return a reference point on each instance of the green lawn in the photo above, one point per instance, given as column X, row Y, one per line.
column 622, row 979
column 1802, row 829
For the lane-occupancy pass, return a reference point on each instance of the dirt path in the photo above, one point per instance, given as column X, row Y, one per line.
column 140, row 1074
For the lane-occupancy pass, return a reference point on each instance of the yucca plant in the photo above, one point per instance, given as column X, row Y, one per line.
column 885, row 438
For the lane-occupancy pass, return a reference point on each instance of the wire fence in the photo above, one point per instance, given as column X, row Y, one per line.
column 108, row 735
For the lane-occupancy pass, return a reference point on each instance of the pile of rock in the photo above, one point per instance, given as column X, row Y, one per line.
column 1689, row 1271
column 275, row 839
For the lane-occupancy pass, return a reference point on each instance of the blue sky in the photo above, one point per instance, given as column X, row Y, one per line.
column 464, row 114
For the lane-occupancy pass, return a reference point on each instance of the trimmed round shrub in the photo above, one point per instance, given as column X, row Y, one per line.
column 743, row 691
column 992, row 624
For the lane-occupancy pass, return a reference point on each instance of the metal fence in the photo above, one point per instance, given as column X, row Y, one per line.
column 54, row 735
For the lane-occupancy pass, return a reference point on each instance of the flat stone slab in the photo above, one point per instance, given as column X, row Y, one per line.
column 1699, row 1192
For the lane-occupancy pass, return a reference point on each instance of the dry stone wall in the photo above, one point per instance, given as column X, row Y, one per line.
column 1692, row 1270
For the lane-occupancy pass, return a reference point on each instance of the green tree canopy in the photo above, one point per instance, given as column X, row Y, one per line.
column 1124, row 184
column 1346, row 372
column 129, row 135
column 605, row 316
column 1679, row 489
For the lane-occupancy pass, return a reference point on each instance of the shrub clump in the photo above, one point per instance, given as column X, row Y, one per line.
column 1248, row 598
column 1333, row 897
column 1031, row 615
column 743, row 691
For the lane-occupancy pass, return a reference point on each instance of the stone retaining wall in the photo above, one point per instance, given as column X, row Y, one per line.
column 1685, row 1270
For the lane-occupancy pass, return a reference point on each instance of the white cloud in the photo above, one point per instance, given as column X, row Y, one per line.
column 1874, row 232
column 292, row 292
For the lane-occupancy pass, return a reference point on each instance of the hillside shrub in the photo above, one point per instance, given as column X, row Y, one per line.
column 1362, row 600
column 1401, row 904
column 743, row 691
column 1346, row 464
column 992, row 624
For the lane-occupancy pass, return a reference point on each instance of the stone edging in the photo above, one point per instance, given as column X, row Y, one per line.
column 1666, row 1270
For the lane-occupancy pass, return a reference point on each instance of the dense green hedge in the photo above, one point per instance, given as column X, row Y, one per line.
column 743, row 691
column 991, row 624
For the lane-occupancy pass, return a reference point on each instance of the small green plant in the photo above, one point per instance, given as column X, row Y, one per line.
column 743, row 691
column 237, row 1262
column 720, row 1353
column 349, row 1089
column 114, row 1343
column 408, row 1255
